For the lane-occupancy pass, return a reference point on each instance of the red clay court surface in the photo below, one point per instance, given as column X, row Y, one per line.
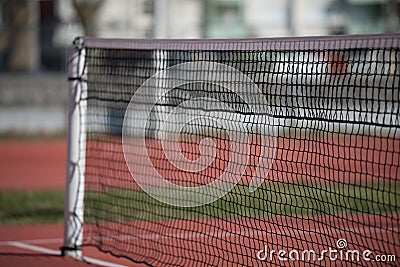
column 40, row 246
column 32, row 165
column 37, row 165
column 40, row 165
column 349, row 159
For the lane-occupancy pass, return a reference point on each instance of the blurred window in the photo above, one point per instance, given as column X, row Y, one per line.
column 224, row 19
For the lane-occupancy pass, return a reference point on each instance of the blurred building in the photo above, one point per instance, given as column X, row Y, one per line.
column 371, row 16
column 206, row 18
column 34, row 34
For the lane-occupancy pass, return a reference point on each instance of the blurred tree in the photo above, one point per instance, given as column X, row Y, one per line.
column 87, row 11
column 393, row 15
column 19, row 36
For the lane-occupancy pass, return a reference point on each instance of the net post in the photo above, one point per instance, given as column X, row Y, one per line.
column 76, row 147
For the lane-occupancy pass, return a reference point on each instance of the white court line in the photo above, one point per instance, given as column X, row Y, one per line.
column 219, row 234
column 101, row 262
column 253, row 233
column 33, row 248
column 57, row 252
column 25, row 245
column 36, row 241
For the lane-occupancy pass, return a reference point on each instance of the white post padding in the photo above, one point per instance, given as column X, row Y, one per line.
column 75, row 182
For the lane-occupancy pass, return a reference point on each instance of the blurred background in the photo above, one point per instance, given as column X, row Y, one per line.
column 35, row 35
column 34, row 39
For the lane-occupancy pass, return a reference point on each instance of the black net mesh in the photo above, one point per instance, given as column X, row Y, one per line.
column 327, row 109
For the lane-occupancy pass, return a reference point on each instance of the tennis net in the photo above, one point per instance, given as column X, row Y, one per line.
column 236, row 152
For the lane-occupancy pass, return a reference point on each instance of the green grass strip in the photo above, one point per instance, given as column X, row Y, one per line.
column 269, row 200
column 29, row 208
